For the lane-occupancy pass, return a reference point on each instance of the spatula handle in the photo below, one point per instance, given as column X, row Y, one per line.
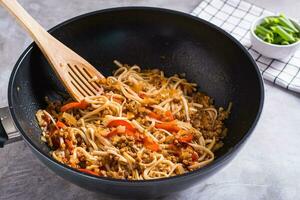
column 37, row 32
column 73, row 70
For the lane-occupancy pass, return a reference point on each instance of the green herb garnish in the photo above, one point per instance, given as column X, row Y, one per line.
column 278, row 30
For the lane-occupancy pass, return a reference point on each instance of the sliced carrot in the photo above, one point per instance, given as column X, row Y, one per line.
column 129, row 129
column 195, row 156
column 70, row 144
column 154, row 115
column 81, row 105
column 60, row 124
column 187, row 138
column 116, row 123
column 112, row 133
column 127, row 132
column 89, row 172
column 150, row 144
column 168, row 116
column 169, row 126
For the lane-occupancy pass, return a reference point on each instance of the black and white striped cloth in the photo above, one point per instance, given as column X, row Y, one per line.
column 236, row 16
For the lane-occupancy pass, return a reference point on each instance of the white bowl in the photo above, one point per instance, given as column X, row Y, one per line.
column 272, row 50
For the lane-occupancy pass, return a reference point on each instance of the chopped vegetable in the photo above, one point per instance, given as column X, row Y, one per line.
column 283, row 34
column 60, row 124
column 112, row 133
column 81, row 105
column 69, row 119
column 116, row 132
column 195, row 156
column 154, row 115
column 277, row 40
column 278, row 30
column 129, row 129
column 87, row 171
column 285, row 22
column 285, row 42
column 184, row 136
column 169, row 126
column 263, row 31
column 287, row 29
column 70, row 144
column 130, row 115
column 150, row 144
column 116, row 123
column 167, row 117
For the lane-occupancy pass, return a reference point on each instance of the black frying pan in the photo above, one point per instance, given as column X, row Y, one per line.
column 152, row 38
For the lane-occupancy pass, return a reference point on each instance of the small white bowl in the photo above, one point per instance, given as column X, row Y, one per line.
column 272, row 50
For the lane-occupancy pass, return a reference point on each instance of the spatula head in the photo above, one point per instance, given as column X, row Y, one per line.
column 81, row 80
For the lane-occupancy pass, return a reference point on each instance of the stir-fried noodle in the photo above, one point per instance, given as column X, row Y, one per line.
column 142, row 126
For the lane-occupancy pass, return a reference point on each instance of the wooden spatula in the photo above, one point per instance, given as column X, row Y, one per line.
column 77, row 75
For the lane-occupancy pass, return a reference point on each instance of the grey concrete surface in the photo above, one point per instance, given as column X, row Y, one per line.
column 268, row 167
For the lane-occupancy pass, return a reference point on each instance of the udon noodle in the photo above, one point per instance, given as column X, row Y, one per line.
column 142, row 125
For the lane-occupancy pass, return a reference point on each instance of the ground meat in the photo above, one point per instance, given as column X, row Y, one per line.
column 203, row 99
column 203, row 122
column 186, row 155
column 132, row 106
column 55, row 142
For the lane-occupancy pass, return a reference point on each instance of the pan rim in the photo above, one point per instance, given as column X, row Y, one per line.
column 199, row 172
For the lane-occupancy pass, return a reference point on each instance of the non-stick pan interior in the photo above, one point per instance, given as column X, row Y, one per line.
column 149, row 38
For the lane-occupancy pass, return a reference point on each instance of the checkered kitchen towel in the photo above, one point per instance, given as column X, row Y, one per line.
column 236, row 16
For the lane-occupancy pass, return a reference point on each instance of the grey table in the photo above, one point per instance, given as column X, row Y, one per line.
column 268, row 167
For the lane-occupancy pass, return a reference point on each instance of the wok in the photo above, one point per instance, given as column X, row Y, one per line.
column 151, row 38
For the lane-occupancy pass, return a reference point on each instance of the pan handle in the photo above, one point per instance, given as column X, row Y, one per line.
column 3, row 136
column 8, row 132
